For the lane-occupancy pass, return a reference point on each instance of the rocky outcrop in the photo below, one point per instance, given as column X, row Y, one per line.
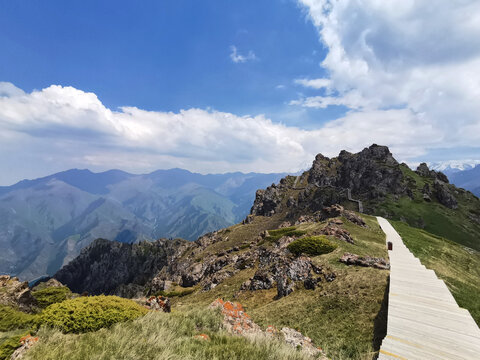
column 333, row 229
column 367, row 261
column 281, row 269
column 444, row 195
column 424, row 171
column 158, row 303
column 267, row 201
column 370, row 174
column 26, row 343
column 110, row 267
column 238, row 322
column 16, row 293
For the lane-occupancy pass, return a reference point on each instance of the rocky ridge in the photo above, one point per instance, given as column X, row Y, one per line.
column 372, row 174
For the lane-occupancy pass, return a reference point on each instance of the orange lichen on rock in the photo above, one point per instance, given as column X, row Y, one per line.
column 203, row 337
column 27, row 342
column 28, row 339
column 236, row 320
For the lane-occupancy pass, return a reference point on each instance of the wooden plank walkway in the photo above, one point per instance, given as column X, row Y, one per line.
column 424, row 321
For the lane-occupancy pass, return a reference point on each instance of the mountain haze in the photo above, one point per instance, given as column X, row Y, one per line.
column 44, row 223
column 468, row 179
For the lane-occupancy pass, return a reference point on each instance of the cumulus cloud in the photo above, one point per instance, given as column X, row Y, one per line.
column 238, row 58
column 62, row 127
column 420, row 56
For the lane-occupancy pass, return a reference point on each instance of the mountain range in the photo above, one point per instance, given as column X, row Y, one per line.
column 44, row 223
column 467, row 179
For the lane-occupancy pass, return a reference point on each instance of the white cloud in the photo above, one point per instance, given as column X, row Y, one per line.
column 314, row 83
column 422, row 56
column 63, row 127
column 238, row 58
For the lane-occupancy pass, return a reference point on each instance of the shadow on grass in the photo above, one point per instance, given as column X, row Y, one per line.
column 380, row 322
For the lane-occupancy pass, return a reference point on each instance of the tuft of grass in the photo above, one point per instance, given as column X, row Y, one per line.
column 161, row 336
column 51, row 295
column 90, row 313
column 457, row 265
column 274, row 235
column 312, row 245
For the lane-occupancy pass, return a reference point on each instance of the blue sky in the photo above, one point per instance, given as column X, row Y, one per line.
column 166, row 55
column 215, row 86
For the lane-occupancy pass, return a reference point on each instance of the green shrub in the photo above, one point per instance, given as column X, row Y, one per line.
column 175, row 293
column 51, row 295
column 274, row 235
column 90, row 313
column 312, row 245
column 11, row 318
column 10, row 342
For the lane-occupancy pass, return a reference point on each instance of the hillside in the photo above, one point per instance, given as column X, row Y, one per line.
column 422, row 198
column 299, row 261
column 44, row 223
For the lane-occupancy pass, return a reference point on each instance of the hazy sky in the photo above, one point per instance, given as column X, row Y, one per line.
column 224, row 85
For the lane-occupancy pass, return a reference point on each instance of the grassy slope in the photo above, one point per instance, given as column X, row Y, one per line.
column 456, row 225
column 458, row 266
column 339, row 316
column 160, row 336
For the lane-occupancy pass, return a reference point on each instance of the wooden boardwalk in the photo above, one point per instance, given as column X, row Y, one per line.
column 424, row 321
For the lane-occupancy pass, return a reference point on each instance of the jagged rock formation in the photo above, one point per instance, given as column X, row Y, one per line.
column 16, row 293
column 111, row 267
column 370, row 174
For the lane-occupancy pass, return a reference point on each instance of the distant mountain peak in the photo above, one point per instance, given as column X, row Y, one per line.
column 452, row 166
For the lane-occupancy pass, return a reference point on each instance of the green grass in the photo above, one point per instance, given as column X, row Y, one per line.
column 458, row 266
column 458, row 225
column 51, row 295
column 9, row 341
column 11, row 319
column 312, row 245
column 339, row 316
column 175, row 293
column 90, row 313
column 274, row 235
column 160, row 336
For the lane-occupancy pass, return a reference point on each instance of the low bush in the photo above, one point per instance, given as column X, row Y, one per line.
column 11, row 319
column 274, row 235
column 90, row 313
column 312, row 245
column 175, row 293
column 10, row 342
column 51, row 295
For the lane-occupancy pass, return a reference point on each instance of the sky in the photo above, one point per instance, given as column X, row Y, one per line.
column 220, row 86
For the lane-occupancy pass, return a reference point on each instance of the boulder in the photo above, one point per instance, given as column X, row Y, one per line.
column 333, row 230
column 16, row 293
column 296, row 340
column 158, row 303
column 367, row 261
